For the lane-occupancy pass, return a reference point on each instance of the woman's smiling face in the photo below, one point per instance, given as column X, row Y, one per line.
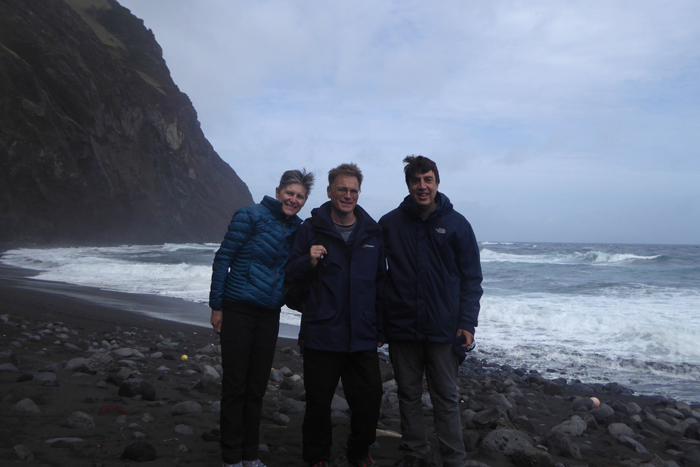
column 292, row 197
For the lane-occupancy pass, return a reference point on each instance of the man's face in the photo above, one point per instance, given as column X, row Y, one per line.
column 344, row 194
column 423, row 188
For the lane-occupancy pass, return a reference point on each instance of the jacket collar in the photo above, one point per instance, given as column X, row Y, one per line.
column 275, row 207
column 321, row 218
column 443, row 207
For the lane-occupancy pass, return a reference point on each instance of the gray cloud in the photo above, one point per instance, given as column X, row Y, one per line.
column 550, row 121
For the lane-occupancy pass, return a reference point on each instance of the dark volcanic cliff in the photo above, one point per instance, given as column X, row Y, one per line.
column 97, row 144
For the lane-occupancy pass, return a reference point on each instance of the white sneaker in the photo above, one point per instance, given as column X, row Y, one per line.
column 237, row 464
column 255, row 463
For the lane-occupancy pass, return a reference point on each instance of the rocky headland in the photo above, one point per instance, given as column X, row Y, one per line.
column 97, row 143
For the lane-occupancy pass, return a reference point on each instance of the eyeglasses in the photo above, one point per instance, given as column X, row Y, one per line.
column 344, row 191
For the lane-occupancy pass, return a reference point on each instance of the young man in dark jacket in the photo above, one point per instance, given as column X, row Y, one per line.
column 339, row 252
column 431, row 306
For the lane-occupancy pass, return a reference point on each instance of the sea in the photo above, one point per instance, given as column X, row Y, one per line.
column 596, row 313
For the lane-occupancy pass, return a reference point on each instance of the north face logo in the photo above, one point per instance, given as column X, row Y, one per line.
column 440, row 230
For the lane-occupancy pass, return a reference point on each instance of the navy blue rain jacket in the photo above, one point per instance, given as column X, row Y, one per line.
column 249, row 266
column 433, row 285
column 347, row 318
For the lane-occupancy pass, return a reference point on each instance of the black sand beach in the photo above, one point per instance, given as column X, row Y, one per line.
column 87, row 379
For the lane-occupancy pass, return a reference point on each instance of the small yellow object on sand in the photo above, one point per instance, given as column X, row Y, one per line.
column 183, row 358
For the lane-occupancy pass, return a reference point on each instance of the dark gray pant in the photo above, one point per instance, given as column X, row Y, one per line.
column 439, row 364
column 362, row 385
column 247, row 349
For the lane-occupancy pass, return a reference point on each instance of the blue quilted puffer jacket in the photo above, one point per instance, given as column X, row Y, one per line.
column 249, row 266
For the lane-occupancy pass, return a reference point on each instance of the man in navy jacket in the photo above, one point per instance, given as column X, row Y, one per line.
column 339, row 251
column 431, row 306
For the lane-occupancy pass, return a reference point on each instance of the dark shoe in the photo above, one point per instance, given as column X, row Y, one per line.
column 366, row 462
column 320, row 464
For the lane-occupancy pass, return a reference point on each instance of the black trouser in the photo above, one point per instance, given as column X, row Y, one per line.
column 362, row 385
column 247, row 349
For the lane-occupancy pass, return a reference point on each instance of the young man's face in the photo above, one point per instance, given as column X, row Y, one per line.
column 423, row 188
column 344, row 194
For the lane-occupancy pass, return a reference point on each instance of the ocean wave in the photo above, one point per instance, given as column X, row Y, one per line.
column 592, row 257
column 171, row 247
column 601, row 257
column 488, row 255
column 99, row 267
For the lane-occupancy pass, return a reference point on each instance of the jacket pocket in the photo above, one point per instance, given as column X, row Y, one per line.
column 365, row 300
column 319, row 314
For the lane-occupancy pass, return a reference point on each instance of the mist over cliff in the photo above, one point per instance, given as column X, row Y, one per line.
column 97, row 143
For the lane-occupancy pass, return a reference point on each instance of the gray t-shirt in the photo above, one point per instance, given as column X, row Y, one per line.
column 346, row 230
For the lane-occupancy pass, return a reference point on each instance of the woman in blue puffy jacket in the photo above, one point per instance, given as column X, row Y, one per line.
column 247, row 291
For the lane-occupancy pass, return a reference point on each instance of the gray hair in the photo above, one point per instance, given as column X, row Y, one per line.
column 304, row 178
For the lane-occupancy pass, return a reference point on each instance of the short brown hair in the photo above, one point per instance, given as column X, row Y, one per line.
column 348, row 169
column 419, row 165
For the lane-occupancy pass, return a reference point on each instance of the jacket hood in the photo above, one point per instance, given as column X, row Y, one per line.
column 275, row 208
column 444, row 206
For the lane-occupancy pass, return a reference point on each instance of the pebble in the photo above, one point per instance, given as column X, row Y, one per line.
column 340, row 404
column 23, row 453
column 64, row 440
column 276, row 376
column 292, row 406
column 186, row 407
column 280, row 419
column 8, row 368
column 628, row 441
column 140, row 451
column 507, row 442
column 26, row 406
column 137, row 387
column 516, row 413
column 184, row 430
column 76, row 364
column 81, row 420
column 574, row 427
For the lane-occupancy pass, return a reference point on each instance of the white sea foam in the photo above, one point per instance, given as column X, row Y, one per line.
column 289, row 316
column 631, row 340
column 107, row 269
column 600, row 323
column 611, row 258
column 595, row 257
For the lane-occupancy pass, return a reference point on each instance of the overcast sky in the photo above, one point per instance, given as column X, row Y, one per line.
column 574, row 121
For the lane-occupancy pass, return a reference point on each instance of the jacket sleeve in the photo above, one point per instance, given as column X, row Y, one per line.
column 239, row 232
column 471, row 277
column 299, row 262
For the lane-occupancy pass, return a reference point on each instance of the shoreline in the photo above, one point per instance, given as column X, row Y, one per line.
column 616, row 348
column 149, row 307
column 74, row 353
column 181, row 311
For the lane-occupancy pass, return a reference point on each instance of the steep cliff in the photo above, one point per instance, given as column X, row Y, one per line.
column 97, row 144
